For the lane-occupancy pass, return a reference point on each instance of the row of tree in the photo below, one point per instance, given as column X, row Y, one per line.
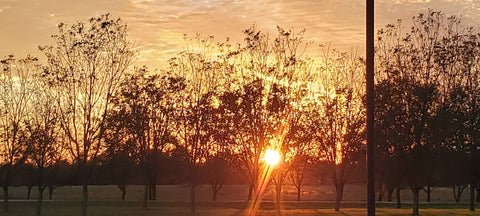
column 122, row 171
column 426, row 110
column 218, row 101
column 214, row 99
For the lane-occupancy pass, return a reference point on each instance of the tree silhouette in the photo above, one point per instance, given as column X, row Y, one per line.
column 42, row 130
column 195, row 106
column 299, row 148
column 15, row 94
column 117, row 168
column 406, row 128
column 57, row 175
column 424, row 66
column 217, row 171
column 141, row 121
column 85, row 68
column 338, row 116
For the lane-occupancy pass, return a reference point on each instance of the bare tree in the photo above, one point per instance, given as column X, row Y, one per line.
column 216, row 172
column 195, row 107
column 267, row 87
column 432, row 71
column 15, row 94
column 338, row 116
column 42, row 130
column 141, row 122
column 85, row 67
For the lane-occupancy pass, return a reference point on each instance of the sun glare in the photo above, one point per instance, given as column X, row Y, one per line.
column 272, row 157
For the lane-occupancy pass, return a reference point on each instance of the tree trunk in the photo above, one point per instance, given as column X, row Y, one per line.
column 149, row 190
column 154, row 191
column 472, row 197
column 29, row 191
column 84, row 198
column 5, row 198
column 380, row 195
column 457, row 192
column 399, row 201
column 153, row 188
column 41, row 188
column 192, row 199
column 278, row 197
column 123, row 188
column 250, row 192
column 299, row 191
column 477, row 188
column 338, row 195
column 429, row 191
column 145, row 195
column 416, row 194
column 215, row 189
column 214, row 197
column 454, row 189
column 146, row 181
column 390, row 193
column 381, row 192
column 50, row 191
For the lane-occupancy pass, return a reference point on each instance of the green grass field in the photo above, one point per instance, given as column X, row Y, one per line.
column 114, row 208
column 174, row 201
column 228, row 193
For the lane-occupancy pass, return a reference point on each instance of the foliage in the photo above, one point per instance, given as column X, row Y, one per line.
column 85, row 68
column 15, row 95
column 141, row 123
column 424, row 75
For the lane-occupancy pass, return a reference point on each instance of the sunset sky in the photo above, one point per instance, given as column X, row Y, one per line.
column 158, row 25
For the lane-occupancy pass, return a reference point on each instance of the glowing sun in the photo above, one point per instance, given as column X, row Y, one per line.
column 272, row 157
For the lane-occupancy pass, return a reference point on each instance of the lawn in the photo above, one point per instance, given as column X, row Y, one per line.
column 129, row 208
column 228, row 193
column 173, row 201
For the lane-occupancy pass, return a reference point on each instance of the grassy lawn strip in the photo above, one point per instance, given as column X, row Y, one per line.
column 114, row 208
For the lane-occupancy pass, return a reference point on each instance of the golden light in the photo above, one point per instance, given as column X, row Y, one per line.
column 272, row 157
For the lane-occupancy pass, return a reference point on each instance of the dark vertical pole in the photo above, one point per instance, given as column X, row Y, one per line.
column 370, row 102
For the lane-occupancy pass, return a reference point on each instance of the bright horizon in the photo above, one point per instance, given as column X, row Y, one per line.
column 158, row 26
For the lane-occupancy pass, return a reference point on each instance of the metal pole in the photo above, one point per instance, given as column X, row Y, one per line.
column 370, row 49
